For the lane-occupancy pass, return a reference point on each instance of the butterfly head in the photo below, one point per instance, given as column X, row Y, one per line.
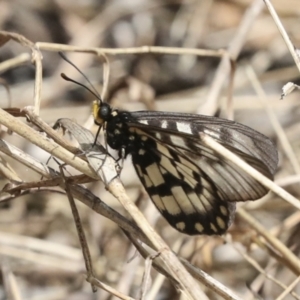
column 102, row 112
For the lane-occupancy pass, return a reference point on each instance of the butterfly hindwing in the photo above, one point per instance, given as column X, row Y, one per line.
column 187, row 199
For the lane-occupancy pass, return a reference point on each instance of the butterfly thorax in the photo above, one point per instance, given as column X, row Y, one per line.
column 119, row 137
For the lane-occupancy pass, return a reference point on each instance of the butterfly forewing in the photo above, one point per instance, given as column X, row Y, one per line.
column 184, row 195
column 191, row 185
column 234, row 136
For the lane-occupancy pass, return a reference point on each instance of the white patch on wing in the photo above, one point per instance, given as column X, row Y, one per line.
column 184, row 127
column 162, row 170
column 199, row 227
column 184, row 170
column 164, row 150
column 141, row 152
column 158, row 135
column 164, row 124
column 197, row 203
column 187, row 174
column 182, row 200
column 139, row 170
column 205, row 184
column 171, row 205
column 221, row 223
column 223, row 210
column 166, row 163
column 157, row 201
column 178, row 141
column 205, row 197
column 188, row 164
column 191, row 182
column 155, row 175
column 148, row 182
column 143, row 122
column 213, row 227
column 180, row 226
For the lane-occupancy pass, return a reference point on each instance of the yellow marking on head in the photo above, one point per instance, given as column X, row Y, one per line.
column 182, row 200
column 221, row 223
column 144, row 138
column 213, row 227
column 155, row 175
column 199, row 227
column 180, row 226
column 95, row 109
column 114, row 113
column 171, row 205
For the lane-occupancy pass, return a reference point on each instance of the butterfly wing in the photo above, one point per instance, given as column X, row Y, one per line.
column 191, row 185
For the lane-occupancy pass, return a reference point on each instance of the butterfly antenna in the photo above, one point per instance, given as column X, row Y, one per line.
column 65, row 77
column 91, row 90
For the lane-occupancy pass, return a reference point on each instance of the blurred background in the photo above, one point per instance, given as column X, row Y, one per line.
column 38, row 240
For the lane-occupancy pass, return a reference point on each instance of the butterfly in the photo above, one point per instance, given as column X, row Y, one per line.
column 192, row 186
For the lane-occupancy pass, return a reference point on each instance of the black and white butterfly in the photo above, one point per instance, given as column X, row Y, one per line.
column 192, row 186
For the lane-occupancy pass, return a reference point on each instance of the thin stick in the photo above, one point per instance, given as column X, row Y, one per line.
column 250, row 170
column 133, row 50
column 37, row 58
column 285, row 143
column 292, row 260
column 14, row 62
column 283, row 33
column 80, row 232
column 211, row 102
column 48, row 145
column 289, row 289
